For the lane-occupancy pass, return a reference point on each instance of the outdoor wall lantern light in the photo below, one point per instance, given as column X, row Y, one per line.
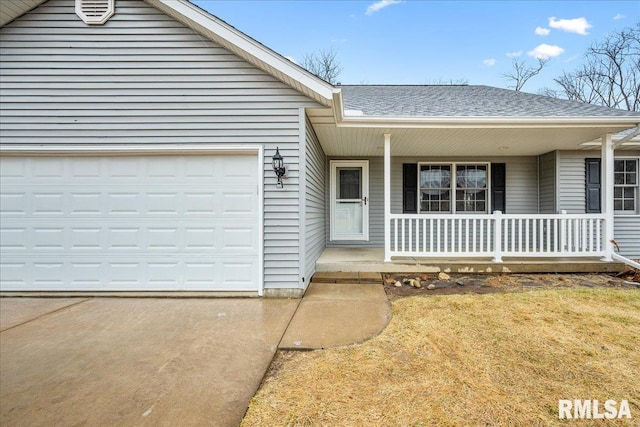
column 278, row 167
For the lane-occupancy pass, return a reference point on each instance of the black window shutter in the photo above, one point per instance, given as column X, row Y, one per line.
column 410, row 188
column 592, row 186
column 498, row 187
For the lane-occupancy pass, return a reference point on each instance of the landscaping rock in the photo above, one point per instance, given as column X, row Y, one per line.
column 443, row 276
column 460, row 282
column 389, row 281
column 432, row 286
column 397, row 284
column 416, row 283
column 424, row 277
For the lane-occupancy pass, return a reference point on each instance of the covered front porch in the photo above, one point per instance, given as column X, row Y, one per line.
column 474, row 178
column 358, row 260
column 494, row 234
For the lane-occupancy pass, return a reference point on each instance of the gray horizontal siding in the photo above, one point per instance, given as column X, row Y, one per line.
column 571, row 180
column 145, row 78
column 521, row 198
column 626, row 232
column 547, row 184
column 571, row 183
column 315, row 202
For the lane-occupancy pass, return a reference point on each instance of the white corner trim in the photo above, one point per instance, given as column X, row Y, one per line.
column 254, row 49
column 260, row 190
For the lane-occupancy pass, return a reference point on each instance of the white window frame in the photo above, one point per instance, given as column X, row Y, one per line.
column 636, row 186
column 453, row 188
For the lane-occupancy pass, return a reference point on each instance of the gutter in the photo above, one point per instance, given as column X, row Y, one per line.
column 482, row 122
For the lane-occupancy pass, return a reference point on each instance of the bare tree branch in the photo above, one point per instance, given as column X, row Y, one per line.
column 610, row 75
column 523, row 72
column 324, row 64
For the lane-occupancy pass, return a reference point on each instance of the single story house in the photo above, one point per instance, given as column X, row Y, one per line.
column 138, row 142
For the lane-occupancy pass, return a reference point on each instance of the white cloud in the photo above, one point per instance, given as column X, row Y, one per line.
column 542, row 31
column 619, row 16
column 514, row 54
column 545, row 51
column 380, row 4
column 292, row 59
column 577, row 25
column 489, row 62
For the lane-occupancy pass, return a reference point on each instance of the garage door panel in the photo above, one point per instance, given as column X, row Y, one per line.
column 13, row 204
column 100, row 227
column 161, row 273
column 82, row 203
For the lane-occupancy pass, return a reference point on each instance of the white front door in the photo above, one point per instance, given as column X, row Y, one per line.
column 349, row 200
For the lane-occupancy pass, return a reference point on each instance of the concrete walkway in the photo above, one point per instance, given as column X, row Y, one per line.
column 163, row 361
column 333, row 315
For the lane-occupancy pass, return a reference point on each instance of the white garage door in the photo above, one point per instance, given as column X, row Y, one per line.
column 129, row 223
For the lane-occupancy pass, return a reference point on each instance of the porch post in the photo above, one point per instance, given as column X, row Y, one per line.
column 607, row 194
column 387, row 197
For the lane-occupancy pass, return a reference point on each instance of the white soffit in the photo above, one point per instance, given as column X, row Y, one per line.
column 454, row 141
column 12, row 9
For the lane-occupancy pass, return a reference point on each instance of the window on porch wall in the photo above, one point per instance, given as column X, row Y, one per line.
column 626, row 187
column 625, row 191
column 450, row 188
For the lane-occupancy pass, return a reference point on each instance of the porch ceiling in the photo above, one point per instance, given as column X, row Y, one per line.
column 459, row 140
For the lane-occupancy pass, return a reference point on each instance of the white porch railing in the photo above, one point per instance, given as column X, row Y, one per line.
column 496, row 235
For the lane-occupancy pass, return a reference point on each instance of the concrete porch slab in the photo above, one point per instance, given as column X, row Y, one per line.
column 334, row 315
column 361, row 260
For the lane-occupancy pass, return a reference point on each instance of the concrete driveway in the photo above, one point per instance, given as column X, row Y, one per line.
column 124, row 361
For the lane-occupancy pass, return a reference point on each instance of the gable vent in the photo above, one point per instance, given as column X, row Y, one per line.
column 95, row 12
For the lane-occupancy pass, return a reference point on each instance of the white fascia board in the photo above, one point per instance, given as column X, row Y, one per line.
column 486, row 122
column 254, row 49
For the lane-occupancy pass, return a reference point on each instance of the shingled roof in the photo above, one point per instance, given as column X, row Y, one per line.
column 463, row 101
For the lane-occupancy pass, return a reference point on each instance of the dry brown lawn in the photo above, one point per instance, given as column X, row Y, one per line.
column 490, row 360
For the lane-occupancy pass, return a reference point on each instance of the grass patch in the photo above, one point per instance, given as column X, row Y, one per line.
column 497, row 359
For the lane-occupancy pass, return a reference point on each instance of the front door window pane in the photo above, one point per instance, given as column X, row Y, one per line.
column 349, row 183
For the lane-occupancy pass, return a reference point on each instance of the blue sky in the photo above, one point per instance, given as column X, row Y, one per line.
column 423, row 42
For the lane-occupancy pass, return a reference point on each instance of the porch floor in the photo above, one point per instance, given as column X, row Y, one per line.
column 372, row 260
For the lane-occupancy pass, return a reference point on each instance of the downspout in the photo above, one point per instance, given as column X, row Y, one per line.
column 626, row 260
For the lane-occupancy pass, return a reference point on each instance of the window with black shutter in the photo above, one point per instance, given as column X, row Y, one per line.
column 452, row 187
